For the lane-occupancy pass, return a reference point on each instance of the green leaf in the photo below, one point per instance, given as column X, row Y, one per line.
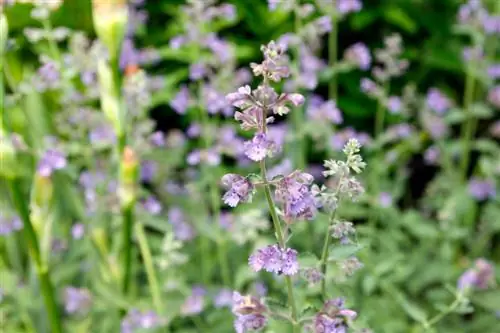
column 399, row 18
column 342, row 252
column 488, row 300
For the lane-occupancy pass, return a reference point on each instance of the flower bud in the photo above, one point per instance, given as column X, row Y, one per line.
column 42, row 191
column 4, row 31
column 110, row 23
column 110, row 100
column 129, row 175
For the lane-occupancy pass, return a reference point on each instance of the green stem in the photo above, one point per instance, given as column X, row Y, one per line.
column 468, row 128
column 281, row 241
column 150, row 270
column 42, row 268
column 434, row 320
column 326, row 244
column 126, row 264
column 332, row 56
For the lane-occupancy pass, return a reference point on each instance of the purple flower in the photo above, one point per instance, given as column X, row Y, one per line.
column 9, row 225
column 220, row 48
column 77, row 300
column 137, row 320
column 437, row 102
column 214, row 101
column 385, row 199
column 259, row 147
column 249, row 312
column 177, row 41
column 239, row 189
column 102, row 135
column 320, row 110
column 394, row 104
column 494, row 96
column 182, row 230
column 481, row 189
column 431, row 155
column 480, row 276
column 77, row 231
column 129, row 54
column 51, row 160
column 333, row 318
column 275, row 260
column 275, row 64
column 294, row 192
column 349, row 6
column 368, row 86
column 472, row 54
column 157, row 139
column 181, row 101
column 359, row 54
column 209, row 157
column 152, row 205
column 494, row 71
column 194, row 303
column 148, row 170
column 224, row 298
column 251, row 322
column 48, row 76
column 197, row 71
column 323, row 24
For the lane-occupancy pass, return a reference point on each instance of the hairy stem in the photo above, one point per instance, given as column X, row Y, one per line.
column 434, row 320
column 42, row 268
column 281, row 240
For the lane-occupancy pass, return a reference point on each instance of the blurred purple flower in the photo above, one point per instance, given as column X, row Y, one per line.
column 324, row 111
column 394, row 104
column 152, row 205
column 249, row 312
column 9, row 225
column 181, row 101
column 349, row 6
column 102, row 135
column 194, row 303
column 385, row 199
column 334, row 317
column 481, row 189
column 224, row 298
column 480, row 276
column 209, row 157
column 197, row 71
column 494, row 96
column 182, row 230
column 136, row 320
column 194, row 130
column 76, row 300
column 494, row 71
column 437, row 102
column 77, row 231
column 431, row 155
column 148, row 170
column 157, row 139
column 51, row 160
column 359, row 54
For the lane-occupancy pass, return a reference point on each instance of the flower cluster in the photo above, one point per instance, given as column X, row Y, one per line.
column 77, row 300
column 334, row 317
column 137, row 320
column 275, row 260
column 9, row 224
column 250, row 313
column 480, row 276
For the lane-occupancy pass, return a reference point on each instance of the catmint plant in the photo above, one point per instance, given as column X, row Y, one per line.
column 295, row 198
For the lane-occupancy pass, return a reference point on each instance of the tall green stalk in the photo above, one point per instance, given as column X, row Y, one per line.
column 149, row 265
column 42, row 268
column 126, row 262
column 279, row 235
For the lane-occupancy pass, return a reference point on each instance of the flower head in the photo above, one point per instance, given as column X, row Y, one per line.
column 259, row 147
column 239, row 189
column 480, row 276
column 294, row 192
column 359, row 55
